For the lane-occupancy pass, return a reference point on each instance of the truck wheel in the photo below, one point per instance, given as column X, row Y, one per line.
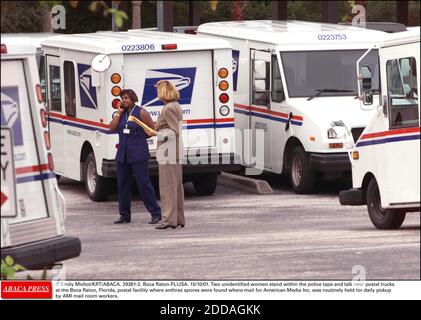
column 205, row 184
column 381, row 218
column 96, row 186
column 302, row 177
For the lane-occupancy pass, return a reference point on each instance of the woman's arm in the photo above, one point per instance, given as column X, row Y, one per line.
column 146, row 119
column 148, row 130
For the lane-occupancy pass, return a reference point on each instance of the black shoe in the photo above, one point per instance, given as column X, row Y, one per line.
column 155, row 220
column 180, row 225
column 165, row 226
column 122, row 220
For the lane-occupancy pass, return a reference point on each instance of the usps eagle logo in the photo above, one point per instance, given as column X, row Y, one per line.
column 88, row 97
column 181, row 78
column 10, row 116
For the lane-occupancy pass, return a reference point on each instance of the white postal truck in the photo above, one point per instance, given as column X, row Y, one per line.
column 296, row 81
column 386, row 158
column 82, row 101
column 33, row 211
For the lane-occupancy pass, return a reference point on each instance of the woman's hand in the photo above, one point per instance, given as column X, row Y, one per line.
column 120, row 108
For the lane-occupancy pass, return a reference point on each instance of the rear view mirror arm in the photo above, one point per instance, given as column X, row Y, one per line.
column 359, row 77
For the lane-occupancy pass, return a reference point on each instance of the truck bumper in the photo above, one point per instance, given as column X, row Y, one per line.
column 330, row 162
column 44, row 253
column 197, row 165
column 351, row 197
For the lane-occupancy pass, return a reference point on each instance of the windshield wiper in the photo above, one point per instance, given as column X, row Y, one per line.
column 320, row 91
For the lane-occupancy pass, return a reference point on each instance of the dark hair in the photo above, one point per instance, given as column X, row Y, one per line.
column 132, row 95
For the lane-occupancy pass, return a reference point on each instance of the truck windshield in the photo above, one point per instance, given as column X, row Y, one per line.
column 307, row 72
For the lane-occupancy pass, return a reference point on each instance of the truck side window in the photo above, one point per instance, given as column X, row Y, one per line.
column 261, row 78
column 54, row 75
column 278, row 94
column 69, row 88
column 402, row 92
column 41, row 71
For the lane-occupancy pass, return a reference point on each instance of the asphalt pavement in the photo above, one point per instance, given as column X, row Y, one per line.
column 237, row 235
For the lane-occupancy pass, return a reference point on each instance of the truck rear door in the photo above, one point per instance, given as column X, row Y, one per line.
column 17, row 114
column 192, row 74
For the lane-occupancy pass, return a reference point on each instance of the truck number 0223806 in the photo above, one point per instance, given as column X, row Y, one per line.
column 137, row 47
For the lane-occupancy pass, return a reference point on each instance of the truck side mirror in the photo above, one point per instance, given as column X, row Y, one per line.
column 101, row 63
column 366, row 85
column 260, row 76
column 259, row 70
column 367, row 98
column 366, row 78
column 385, row 105
column 260, row 85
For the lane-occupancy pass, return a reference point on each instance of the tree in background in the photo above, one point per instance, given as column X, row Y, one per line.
column 238, row 10
column 91, row 16
column 16, row 17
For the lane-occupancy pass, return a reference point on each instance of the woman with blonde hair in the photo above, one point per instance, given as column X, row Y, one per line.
column 169, row 155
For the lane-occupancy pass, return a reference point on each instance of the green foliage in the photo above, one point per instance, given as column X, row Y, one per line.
column 9, row 268
column 50, row 4
column 81, row 19
column 380, row 11
column 119, row 16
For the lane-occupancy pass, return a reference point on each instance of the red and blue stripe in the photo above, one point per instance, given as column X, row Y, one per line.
column 104, row 128
column 267, row 114
column 79, row 123
column 389, row 136
column 33, row 173
column 209, row 123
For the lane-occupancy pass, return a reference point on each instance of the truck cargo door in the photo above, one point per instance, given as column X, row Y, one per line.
column 17, row 114
column 192, row 74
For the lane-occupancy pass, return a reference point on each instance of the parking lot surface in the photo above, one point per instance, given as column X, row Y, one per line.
column 237, row 235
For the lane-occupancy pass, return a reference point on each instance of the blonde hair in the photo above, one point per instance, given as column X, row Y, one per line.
column 167, row 91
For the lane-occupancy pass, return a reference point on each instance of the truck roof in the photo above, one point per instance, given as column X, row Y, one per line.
column 394, row 39
column 108, row 42
column 290, row 32
column 34, row 39
column 15, row 46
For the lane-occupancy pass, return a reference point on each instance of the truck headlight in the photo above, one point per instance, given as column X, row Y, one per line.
column 332, row 134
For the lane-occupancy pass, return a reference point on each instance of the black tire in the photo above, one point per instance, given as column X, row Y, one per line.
column 96, row 186
column 381, row 218
column 302, row 177
column 205, row 184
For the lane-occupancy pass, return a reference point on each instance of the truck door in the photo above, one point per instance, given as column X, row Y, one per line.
column 56, row 119
column 17, row 114
column 279, row 108
column 400, row 93
column 260, row 103
column 192, row 74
